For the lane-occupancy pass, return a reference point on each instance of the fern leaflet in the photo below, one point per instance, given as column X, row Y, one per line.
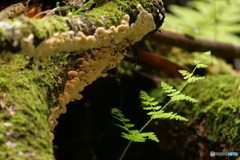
column 132, row 135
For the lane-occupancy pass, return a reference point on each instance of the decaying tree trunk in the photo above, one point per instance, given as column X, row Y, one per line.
column 53, row 59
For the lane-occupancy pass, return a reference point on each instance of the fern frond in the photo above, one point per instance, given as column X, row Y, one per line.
column 132, row 135
column 185, row 74
column 123, row 127
column 167, row 88
column 201, row 65
column 145, row 96
column 212, row 19
column 153, row 113
column 196, row 62
column 125, row 119
column 148, row 108
column 151, row 136
column 140, row 137
column 134, row 138
column 157, row 107
column 117, row 118
column 117, row 114
column 152, row 108
column 194, row 79
column 205, row 55
column 150, row 103
column 180, row 97
column 168, row 115
column 173, row 94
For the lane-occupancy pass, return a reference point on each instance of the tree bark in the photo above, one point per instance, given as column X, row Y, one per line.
column 74, row 51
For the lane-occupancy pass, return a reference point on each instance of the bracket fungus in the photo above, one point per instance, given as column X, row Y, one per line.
column 111, row 44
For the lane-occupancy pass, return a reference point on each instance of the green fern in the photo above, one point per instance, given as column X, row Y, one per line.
column 132, row 135
column 156, row 111
column 213, row 19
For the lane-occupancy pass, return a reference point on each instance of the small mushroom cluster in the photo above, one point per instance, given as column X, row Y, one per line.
column 71, row 41
column 91, row 67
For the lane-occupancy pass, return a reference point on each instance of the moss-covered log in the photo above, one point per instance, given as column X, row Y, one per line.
column 33, row 93
column 101, row 27
column 213, row 122
column 26, row 94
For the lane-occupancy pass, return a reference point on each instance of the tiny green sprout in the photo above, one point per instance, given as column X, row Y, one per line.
column 71, row 9
column 156, row 111
column 86, row 5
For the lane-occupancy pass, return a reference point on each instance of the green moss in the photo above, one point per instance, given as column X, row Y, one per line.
column 3, row 82
column 113, row 8
column 27, row 96
column 2, row 31
column 42, row 28
column 215, row 65
column 218, row 104
column 49, row 26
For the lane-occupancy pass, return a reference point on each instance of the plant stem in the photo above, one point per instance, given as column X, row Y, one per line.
column 125, row 150
column 145, row 125
column 83, row 7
